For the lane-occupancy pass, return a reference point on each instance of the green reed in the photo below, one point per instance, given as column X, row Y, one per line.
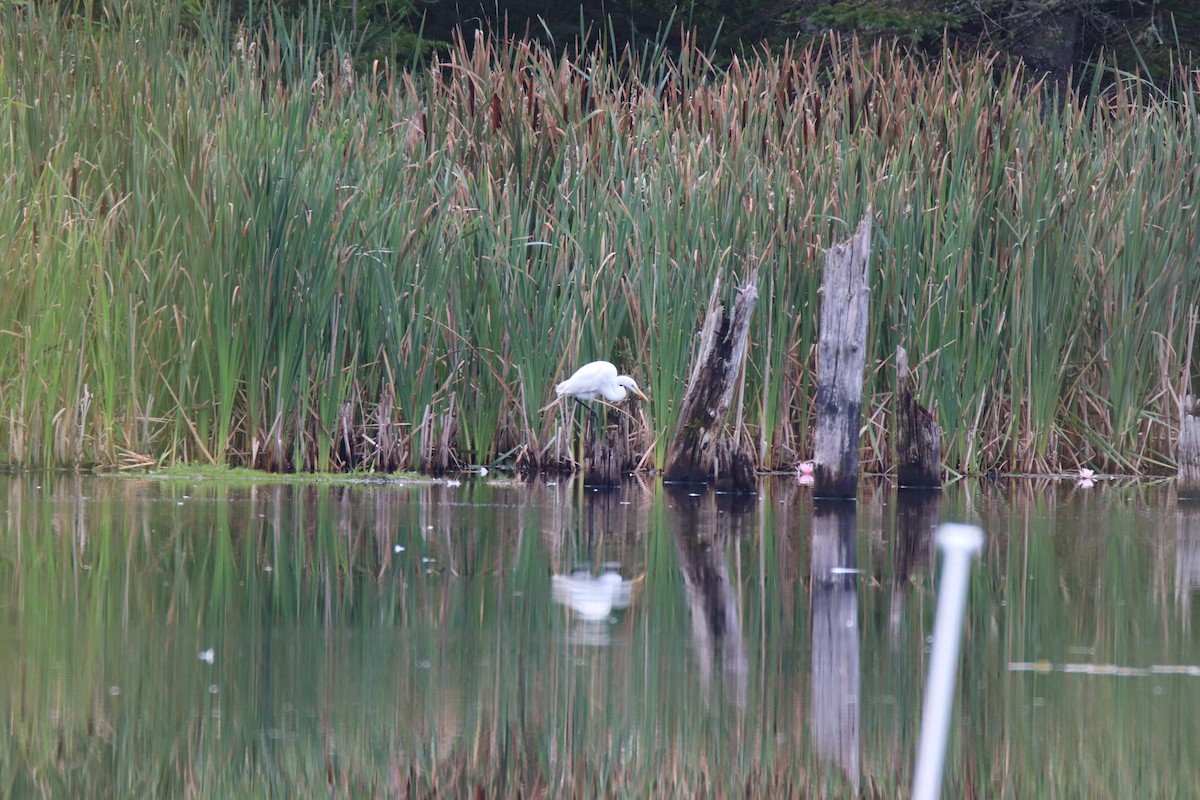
column 228, row 247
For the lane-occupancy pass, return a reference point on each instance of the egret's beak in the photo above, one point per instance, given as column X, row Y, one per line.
column 641, row 394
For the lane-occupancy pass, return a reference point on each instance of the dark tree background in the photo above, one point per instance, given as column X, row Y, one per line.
column 1055, row 36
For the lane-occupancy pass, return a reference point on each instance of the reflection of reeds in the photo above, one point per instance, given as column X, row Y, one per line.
column 212, row 256
column 355, row 667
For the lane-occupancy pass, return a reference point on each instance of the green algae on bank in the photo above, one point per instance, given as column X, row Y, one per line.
column 245, row 475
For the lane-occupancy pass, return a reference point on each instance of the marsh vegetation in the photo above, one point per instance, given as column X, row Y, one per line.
column 229, row 247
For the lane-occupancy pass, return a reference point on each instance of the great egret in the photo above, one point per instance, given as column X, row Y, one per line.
column 598, row 379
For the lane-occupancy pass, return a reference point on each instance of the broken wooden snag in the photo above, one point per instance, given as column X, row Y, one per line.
column 918, row 436
column 841, row 360
column 699, row 452
column 607, row 454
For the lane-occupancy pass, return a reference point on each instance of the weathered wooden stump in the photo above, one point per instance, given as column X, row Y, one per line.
column 1187, row 451
column 735, row 468
column 918, row 436
column 698, row 453
column 841, row 359
column 606, row 452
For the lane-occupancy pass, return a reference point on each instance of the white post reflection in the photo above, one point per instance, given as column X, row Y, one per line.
column 959, row 543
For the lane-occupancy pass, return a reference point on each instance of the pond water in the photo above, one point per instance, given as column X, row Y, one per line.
column 198, row 638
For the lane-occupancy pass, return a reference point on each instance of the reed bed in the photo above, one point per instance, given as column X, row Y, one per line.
column 229, row 247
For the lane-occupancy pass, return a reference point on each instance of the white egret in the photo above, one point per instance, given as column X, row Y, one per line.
column 598, row 379
column 595, row 380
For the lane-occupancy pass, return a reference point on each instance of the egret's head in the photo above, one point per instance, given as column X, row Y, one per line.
column 630, row 384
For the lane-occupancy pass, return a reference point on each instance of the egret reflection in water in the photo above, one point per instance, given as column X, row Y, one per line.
column 592, row 598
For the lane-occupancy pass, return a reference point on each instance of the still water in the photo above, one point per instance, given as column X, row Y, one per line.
column 199, row 638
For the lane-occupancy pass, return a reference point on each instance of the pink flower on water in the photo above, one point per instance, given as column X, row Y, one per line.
column 1085, row 478
column 805, row 472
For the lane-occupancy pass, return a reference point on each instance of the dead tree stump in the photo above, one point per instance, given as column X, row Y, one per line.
column 918, row 437
column 1187, row 451
column 735, row 468
column 841, row 359
column 607, row 456
column 698, row 452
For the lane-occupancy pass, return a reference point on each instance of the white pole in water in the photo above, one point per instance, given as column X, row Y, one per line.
column 958, row 543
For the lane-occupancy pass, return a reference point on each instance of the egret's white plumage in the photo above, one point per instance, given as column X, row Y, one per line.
column 598, row 379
